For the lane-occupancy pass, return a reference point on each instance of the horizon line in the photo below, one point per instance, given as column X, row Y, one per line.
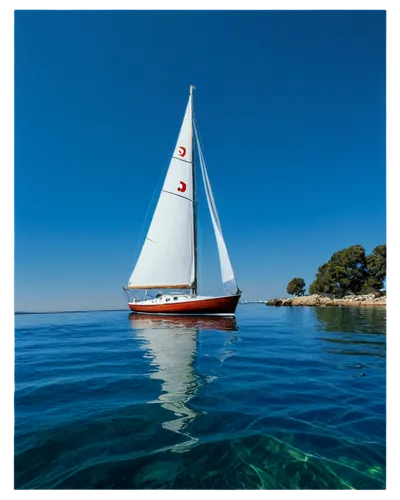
column 64, row 312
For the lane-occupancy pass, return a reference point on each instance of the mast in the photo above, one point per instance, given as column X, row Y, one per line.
column 194, row 289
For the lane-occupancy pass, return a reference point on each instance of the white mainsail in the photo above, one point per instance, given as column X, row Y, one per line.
column 167, row 256
column 227, row 274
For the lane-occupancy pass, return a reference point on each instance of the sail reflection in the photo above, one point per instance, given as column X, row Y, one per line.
column 171, row 343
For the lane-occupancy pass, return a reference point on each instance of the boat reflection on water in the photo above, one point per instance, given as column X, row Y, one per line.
column 170, row 342
column 220, row 323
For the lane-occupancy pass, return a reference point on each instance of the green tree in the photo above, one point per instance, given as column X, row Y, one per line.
column 314, row 288
column 345, row 272
column 297, row 286
column 376, row 264
column 321, row 283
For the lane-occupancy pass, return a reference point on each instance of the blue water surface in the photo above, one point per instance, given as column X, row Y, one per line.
column 290, row 397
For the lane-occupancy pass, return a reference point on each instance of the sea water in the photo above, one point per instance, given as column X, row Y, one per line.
column 287, row 397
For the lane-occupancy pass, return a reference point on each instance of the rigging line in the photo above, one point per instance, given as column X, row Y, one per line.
column 206, row 180
column 207, row 184
column 208, row 191
column 210, row 195
column 214, row 216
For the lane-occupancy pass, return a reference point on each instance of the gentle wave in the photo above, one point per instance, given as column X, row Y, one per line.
column 280, row 398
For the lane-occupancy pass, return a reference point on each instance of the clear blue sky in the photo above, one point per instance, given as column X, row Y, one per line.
column 291, row 110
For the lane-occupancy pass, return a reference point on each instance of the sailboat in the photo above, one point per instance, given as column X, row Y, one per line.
column 168, row 260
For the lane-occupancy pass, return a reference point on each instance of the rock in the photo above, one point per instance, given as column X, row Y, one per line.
column 370, row 299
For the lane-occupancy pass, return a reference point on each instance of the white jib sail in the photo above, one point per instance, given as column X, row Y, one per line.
column 228, row 277
column 167, row 256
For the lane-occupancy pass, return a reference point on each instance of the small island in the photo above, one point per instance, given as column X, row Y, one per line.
column 350, row 278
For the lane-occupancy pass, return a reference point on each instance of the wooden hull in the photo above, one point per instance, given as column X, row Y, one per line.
column 222, row 306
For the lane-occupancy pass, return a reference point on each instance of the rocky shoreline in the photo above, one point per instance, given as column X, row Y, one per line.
column 370, row 300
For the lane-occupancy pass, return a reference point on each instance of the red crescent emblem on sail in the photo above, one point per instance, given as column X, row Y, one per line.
column 182, row 187
column 181, row 151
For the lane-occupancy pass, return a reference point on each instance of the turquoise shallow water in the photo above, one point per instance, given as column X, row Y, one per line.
column 278, row 398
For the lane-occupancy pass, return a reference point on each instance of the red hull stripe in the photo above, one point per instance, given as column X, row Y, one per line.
column 218, row 305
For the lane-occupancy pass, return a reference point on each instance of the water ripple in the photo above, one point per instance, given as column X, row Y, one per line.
column 280, row 398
